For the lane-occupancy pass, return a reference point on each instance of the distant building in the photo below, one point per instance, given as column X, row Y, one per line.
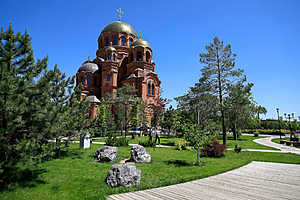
column 121, row 58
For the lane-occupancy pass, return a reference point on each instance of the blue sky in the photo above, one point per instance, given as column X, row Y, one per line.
column 265, row 35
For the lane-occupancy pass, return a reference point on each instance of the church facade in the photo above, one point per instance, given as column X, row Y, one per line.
column 121, row 58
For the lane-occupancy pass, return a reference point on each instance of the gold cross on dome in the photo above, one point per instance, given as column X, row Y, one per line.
column 120, row 13
column 140, row 34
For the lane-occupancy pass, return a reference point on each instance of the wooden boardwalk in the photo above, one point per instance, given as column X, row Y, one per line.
column 257, row 181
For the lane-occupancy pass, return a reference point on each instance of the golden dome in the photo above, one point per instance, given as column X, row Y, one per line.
column 141, row 42
column 120, row 27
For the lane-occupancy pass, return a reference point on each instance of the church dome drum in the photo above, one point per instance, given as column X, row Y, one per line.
column 119, row 27
column 88, row 67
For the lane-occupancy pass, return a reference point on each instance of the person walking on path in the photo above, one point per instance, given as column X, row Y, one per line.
column 157, row 136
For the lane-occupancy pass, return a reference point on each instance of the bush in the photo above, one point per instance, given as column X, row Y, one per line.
column 237, row 149
column 181, row 144
column 266, row 131
column 116, row 142
column 256, row 133
column 146, row 143
column 215, row 150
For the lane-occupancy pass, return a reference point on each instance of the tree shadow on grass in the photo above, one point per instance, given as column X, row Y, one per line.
column 73, row 154
column 179, row 163
column 21, row 178
column 168, row 143
column 239, row 139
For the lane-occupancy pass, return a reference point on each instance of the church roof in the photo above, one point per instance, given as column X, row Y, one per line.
column 120, row 27
column 88, row 67
column 141, row 42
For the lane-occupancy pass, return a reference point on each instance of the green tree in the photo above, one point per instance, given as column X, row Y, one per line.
column 218, row 73
column 77, row 115
column 101, row 122
column 142, row 115
column 158, row 110
column 124, row 101
column 22, row 102
column 198, row 137
column 60, row 89
column 200, row 104
column 260, row 110
column 238, row 106
column 30, row 98
column 168, row 121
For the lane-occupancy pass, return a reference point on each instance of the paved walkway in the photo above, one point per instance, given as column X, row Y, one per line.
column 283, row 148
column 257, row 180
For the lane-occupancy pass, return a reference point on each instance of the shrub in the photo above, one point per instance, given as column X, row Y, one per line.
column 116, row 142
column 146, row 143
column 237, row 149
column 256, row 133
column 215, row 149
column 181, row 144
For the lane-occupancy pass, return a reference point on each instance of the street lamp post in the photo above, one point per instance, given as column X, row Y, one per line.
column 289, row 117
column 279, row 127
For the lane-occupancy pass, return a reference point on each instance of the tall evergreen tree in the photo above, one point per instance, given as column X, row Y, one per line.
column 219, row 73
column 101, row 122
column 22, row 101
column 36, row 105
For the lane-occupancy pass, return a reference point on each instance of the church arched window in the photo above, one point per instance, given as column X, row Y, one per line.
column 106, row 41
column 108, row 78
column 152, row 90
column 82, row 80
column 147, row 56
column 115, row 40
column 139, row 56
column 149, row 89
column 114, row 57
column 109, row 57
column 130, row 41
column 123, row 42
column 88, row 80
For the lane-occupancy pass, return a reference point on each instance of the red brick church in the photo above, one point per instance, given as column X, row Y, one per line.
column 121, row 58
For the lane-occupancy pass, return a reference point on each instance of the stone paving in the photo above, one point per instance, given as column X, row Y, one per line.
column 283, row 148
column 257, row 180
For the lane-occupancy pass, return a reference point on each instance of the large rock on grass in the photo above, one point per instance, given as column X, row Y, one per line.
column 106, row 154
column 123, row 175
column 139, row 154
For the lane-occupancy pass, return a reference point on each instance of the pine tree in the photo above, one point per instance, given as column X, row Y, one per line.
column 58, row 107
column 36, row 105
column 219, row 73
column 22, row 102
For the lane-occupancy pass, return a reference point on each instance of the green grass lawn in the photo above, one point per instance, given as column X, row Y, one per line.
column 76, row 176
column 246, row 142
